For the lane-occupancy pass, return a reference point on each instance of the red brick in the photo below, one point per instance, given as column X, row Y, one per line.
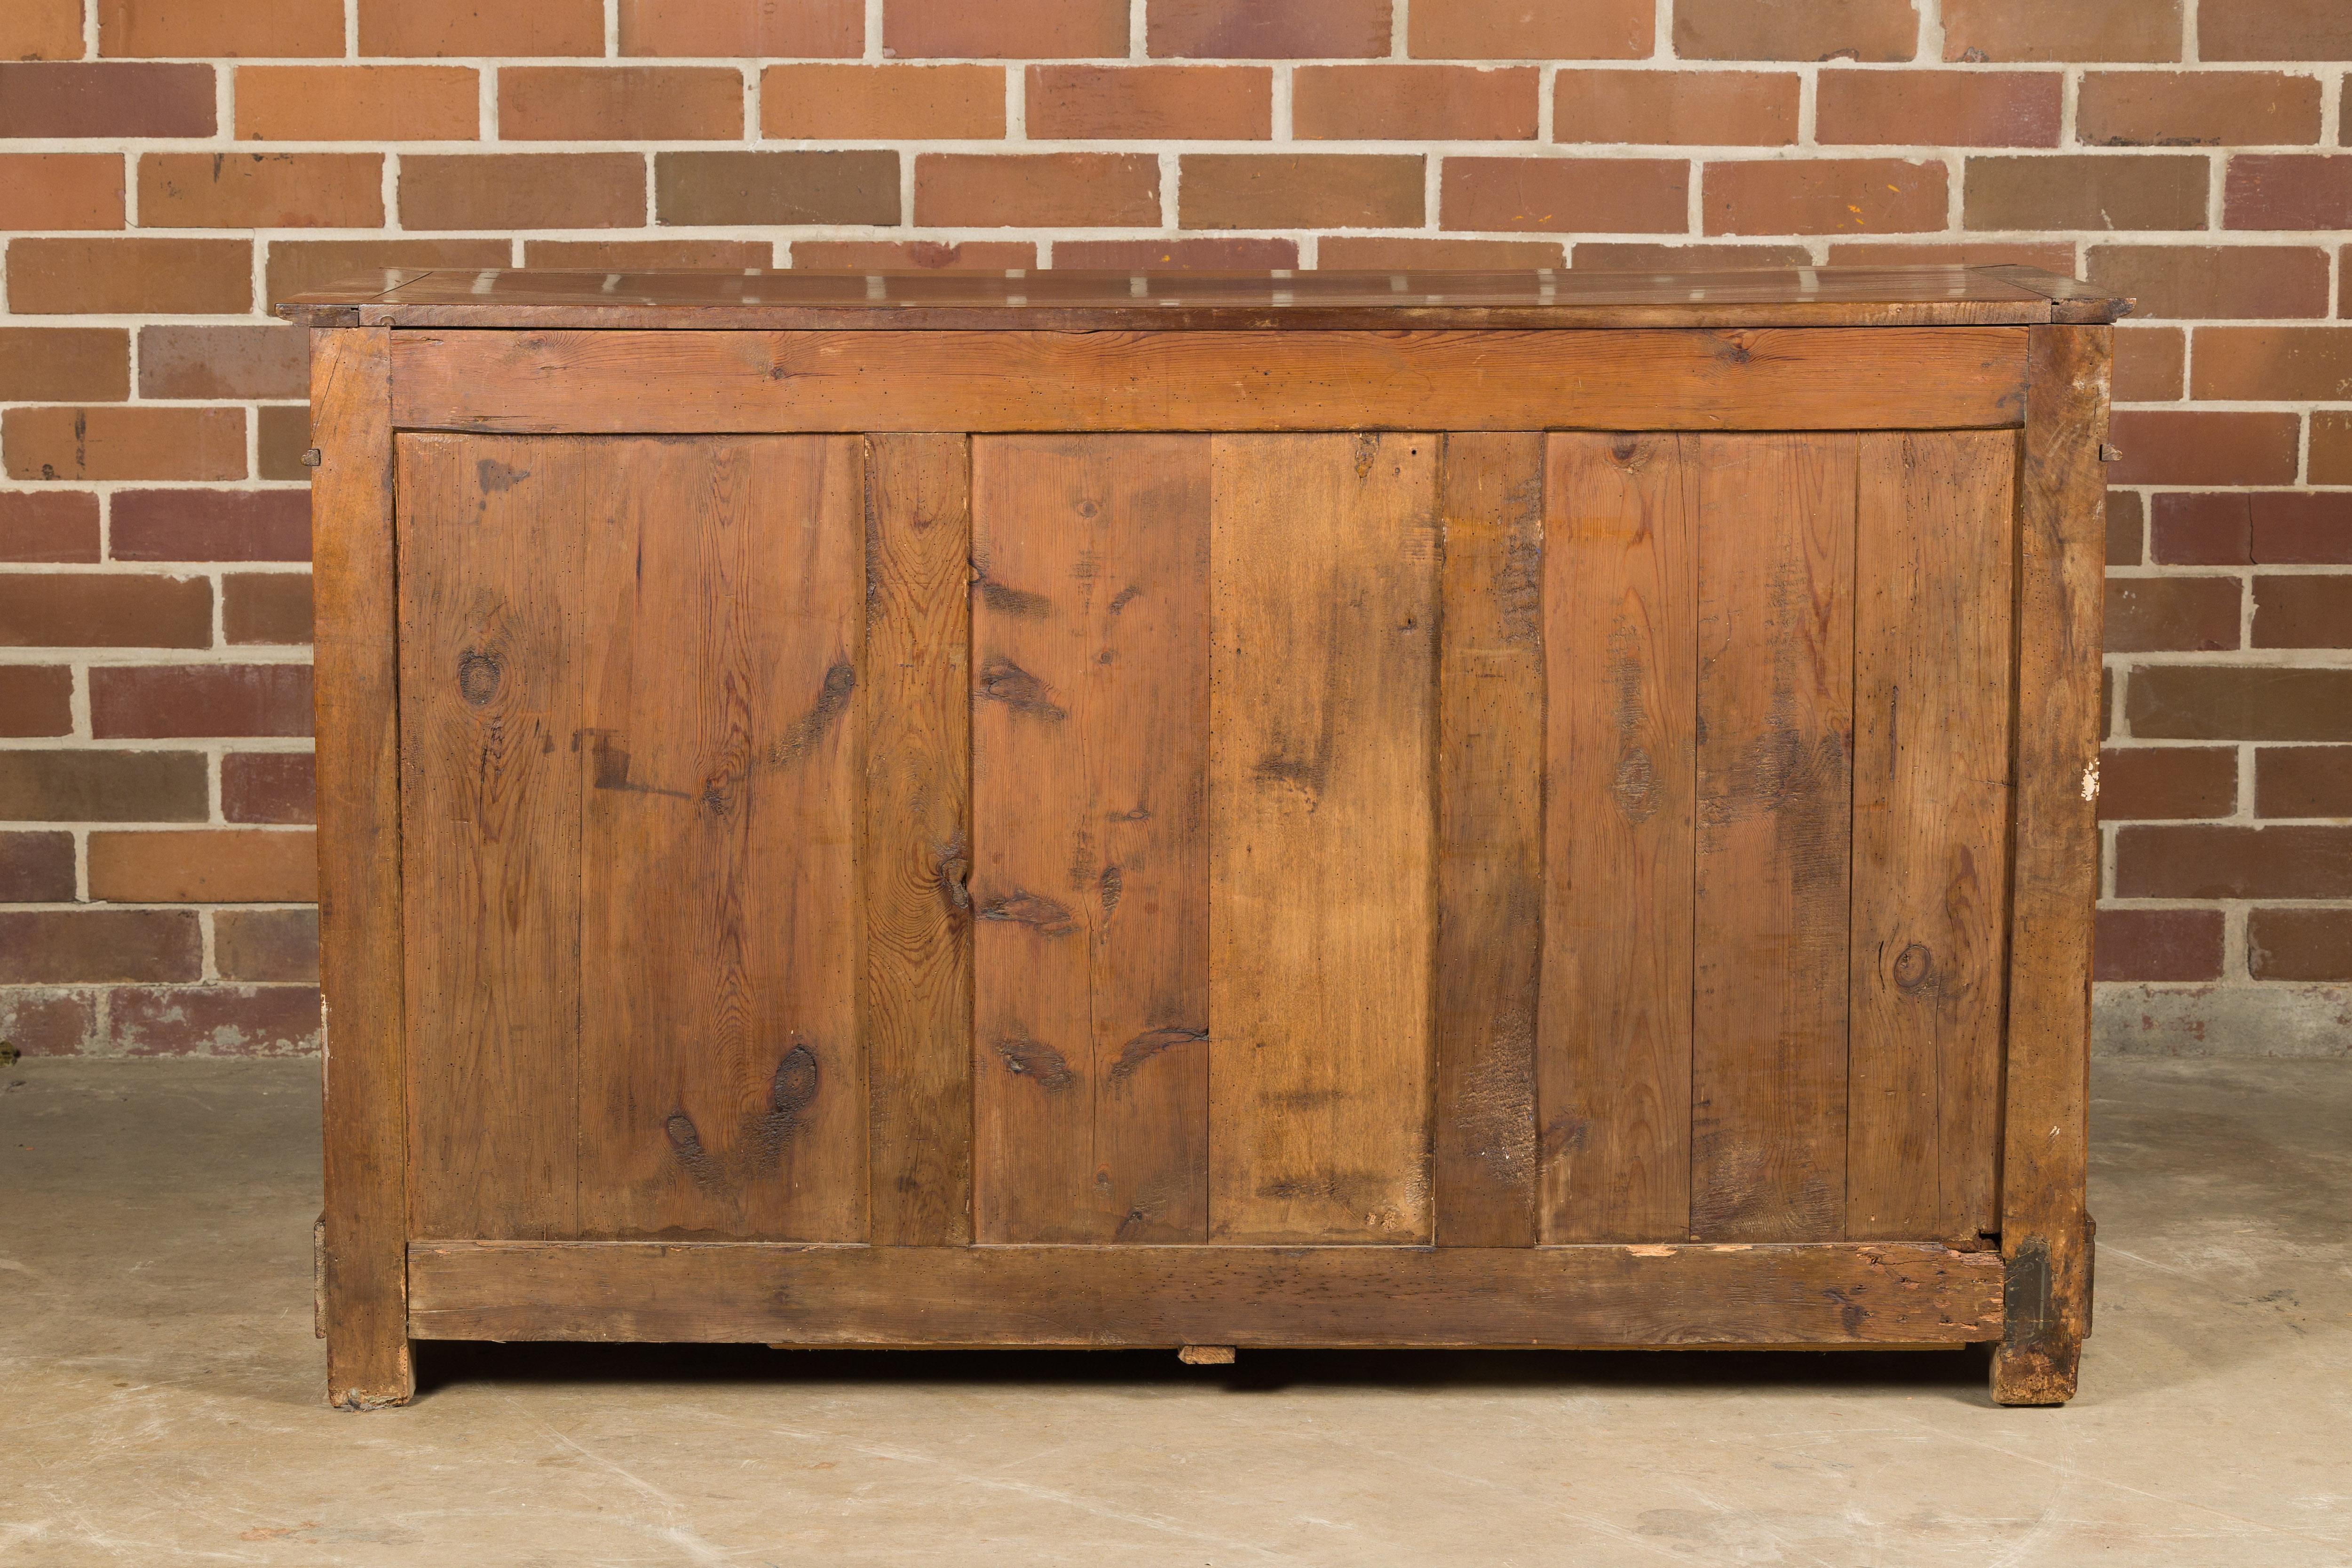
column 2113, row 191
column 2196, row 109
column 2331, row 447
column 37, row 868
column 35, row 700
column 60, row 190
column 2051, row 256
column 2274, row 363
column 1952, row 109
column 523, row 190
column 1150, row 102
column 1331, row 190
column 2206, row 281
column 1056, row 189
column 105, row 609
column 2189, row 530
column 48, row 525
column 2150, row 364
column 621, row 103
column 2188, row 613
column 1530, row 30
column 473, row 27
column 2218, row 862
column 211, row 525
column 2074, row 30
column 223, row 362
column 179, row 29
column 2303, row 781
column 2167, row 783
column 2268, row 528
column 47, row 364
column 1385, row 253
column 1656, row 107
column 2303, row 611
column 859, row 187
column 283, row 433
column 716, row 29
column 1560, row 195
column 2127, row 523
column 96, row 946
column 650, row 254
column 266, row 607
column 2299, row 944
column 123, row 442
column 131, row 275
column 1267, row 29
column 357, row 103
column 108, row 100
column 266, row 944
column 2201, row 447
column 2158, row 944
column 914, row 255
column 217, row 1021
column 1214, row 253
column 50, row 1023
column 40, row 30
column 102, row 786
column 1601, row 255
column 199, row 699
column 1796, row 29
column 268, row 786
column 822, row 102
column 2273, row 30
column 261, row 190
column 2240, row 702
column 1824, row 196
column 2288, row 190
column 299, row 266
column 203, row 866
column 1396, row 103
column 1034, row 30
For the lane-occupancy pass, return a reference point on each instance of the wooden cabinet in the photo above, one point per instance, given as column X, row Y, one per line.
column 1082, row 810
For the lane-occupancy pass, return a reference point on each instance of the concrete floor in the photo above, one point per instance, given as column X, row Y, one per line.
column 160, row 1395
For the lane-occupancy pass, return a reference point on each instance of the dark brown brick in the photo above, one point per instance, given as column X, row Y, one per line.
column 35, row 700
column 108, row 99
column 1841, row 196
column 922, row 255
column 1149, row 102
column 224, row 361
column 268, row 786
column 200, row 700
column 110, row 609
column 2331, row 446
column 64, row 364
column 2127, row 521
column 1267, row 29
column 261, row 190
column 2051, row 256
column 1613, row 256
column 2145, row 613
column 2273, row 30
column 1530, row 30
column 1037, row 29
column 2111, row 191
column 2220, row 862
column 266, row 607
column 123, row 441
column 131, row 275
column 2303, row 611
column 2196, row 109
column 266, row 944
column 2202, row 446
column 844, row 103
column 2240, row 527
column 1796, row 29
column 1113, row 189
column 2240, row 702
column 2167, row 783
column 2158, row 944
column 102, row 786
column 396, row 27
column 299, row 266
column 212, row 525
column 57, row 947
column 2299, row 944
column 721, row 29
column 2273, row 363
column 217, row 1021
column 203, row 866
column 2151, row 364
column 523, row 190
column 2288, row 190
column 1395, row 103
column 777, row 187
column 282, row 435
column 37, row 868
column 60, row 190
column 1754, row 109
column 1609, row 196
column 1947, row 107
column 2303, row 781
column 48, row 525
column 650, row 254
column 45, row 1023
column 2205, row 281
column 1214, row 253
column 1388, row 253
column 621, row 103
column 2075, row 30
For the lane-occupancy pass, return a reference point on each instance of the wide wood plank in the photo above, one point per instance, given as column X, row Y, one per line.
column 1490, row 760
column 1620, row 598
column 1323, row 556
column 1765, row 379
column 1931, row 683
column 490, row 664
column 723, row 1085
column 916, row 853
column 1090, row 630
column 1821, row 1296
column 1775, row 715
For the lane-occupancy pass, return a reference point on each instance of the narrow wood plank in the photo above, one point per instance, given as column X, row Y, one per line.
column 1930, row 832
column 1323, row 556
column 722, row 1087
column 2045, row 1233
column 364, row 1254
column 917, row 698
column 1090, row 879
column 1768, row 379
column 1776, row 727
column 1820, row 1295
column 1621, row 595
column 490, row 641
column 1490, row 760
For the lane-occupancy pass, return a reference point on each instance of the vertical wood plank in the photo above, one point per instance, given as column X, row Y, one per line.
column 917, row 697
column 1775, row 713
column 366, row 1248
column 1090, row 873
column 1322, row 686
column 2045, row 1233
column 1620, row 597
column 723, row 1074
column 1930, row 831
column 489, row 695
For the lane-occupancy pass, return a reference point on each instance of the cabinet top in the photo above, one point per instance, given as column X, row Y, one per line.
column 1055, row 300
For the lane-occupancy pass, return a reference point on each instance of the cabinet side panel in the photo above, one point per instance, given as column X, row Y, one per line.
column 722, row 1074
column 1930, row 831
column 489, row 697
column 1620, row 561
column 1090, row 869
column 1775, row 714
column 1323, row 571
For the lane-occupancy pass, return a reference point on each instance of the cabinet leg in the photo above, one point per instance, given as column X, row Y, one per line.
column 2047, row 1313
column 368, row 1374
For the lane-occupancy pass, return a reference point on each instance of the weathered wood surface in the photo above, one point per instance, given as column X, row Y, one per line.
column 1766, row 379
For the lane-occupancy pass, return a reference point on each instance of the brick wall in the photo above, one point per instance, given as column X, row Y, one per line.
column 171, row 166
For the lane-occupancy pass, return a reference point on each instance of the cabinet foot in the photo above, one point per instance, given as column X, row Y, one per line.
column 1206, row 1356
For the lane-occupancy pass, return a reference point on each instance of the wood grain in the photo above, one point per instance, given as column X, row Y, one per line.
column 1770, row 379
column 723, row 1085
column 916, row 846
column 1490, row 840
column 364, row 1230
column 1932, row 591
column 1775, row 714
column 1622, row 531
column 1090, row 879
column 1323, row 554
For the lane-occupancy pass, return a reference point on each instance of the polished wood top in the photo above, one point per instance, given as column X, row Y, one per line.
column 1052, row 300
